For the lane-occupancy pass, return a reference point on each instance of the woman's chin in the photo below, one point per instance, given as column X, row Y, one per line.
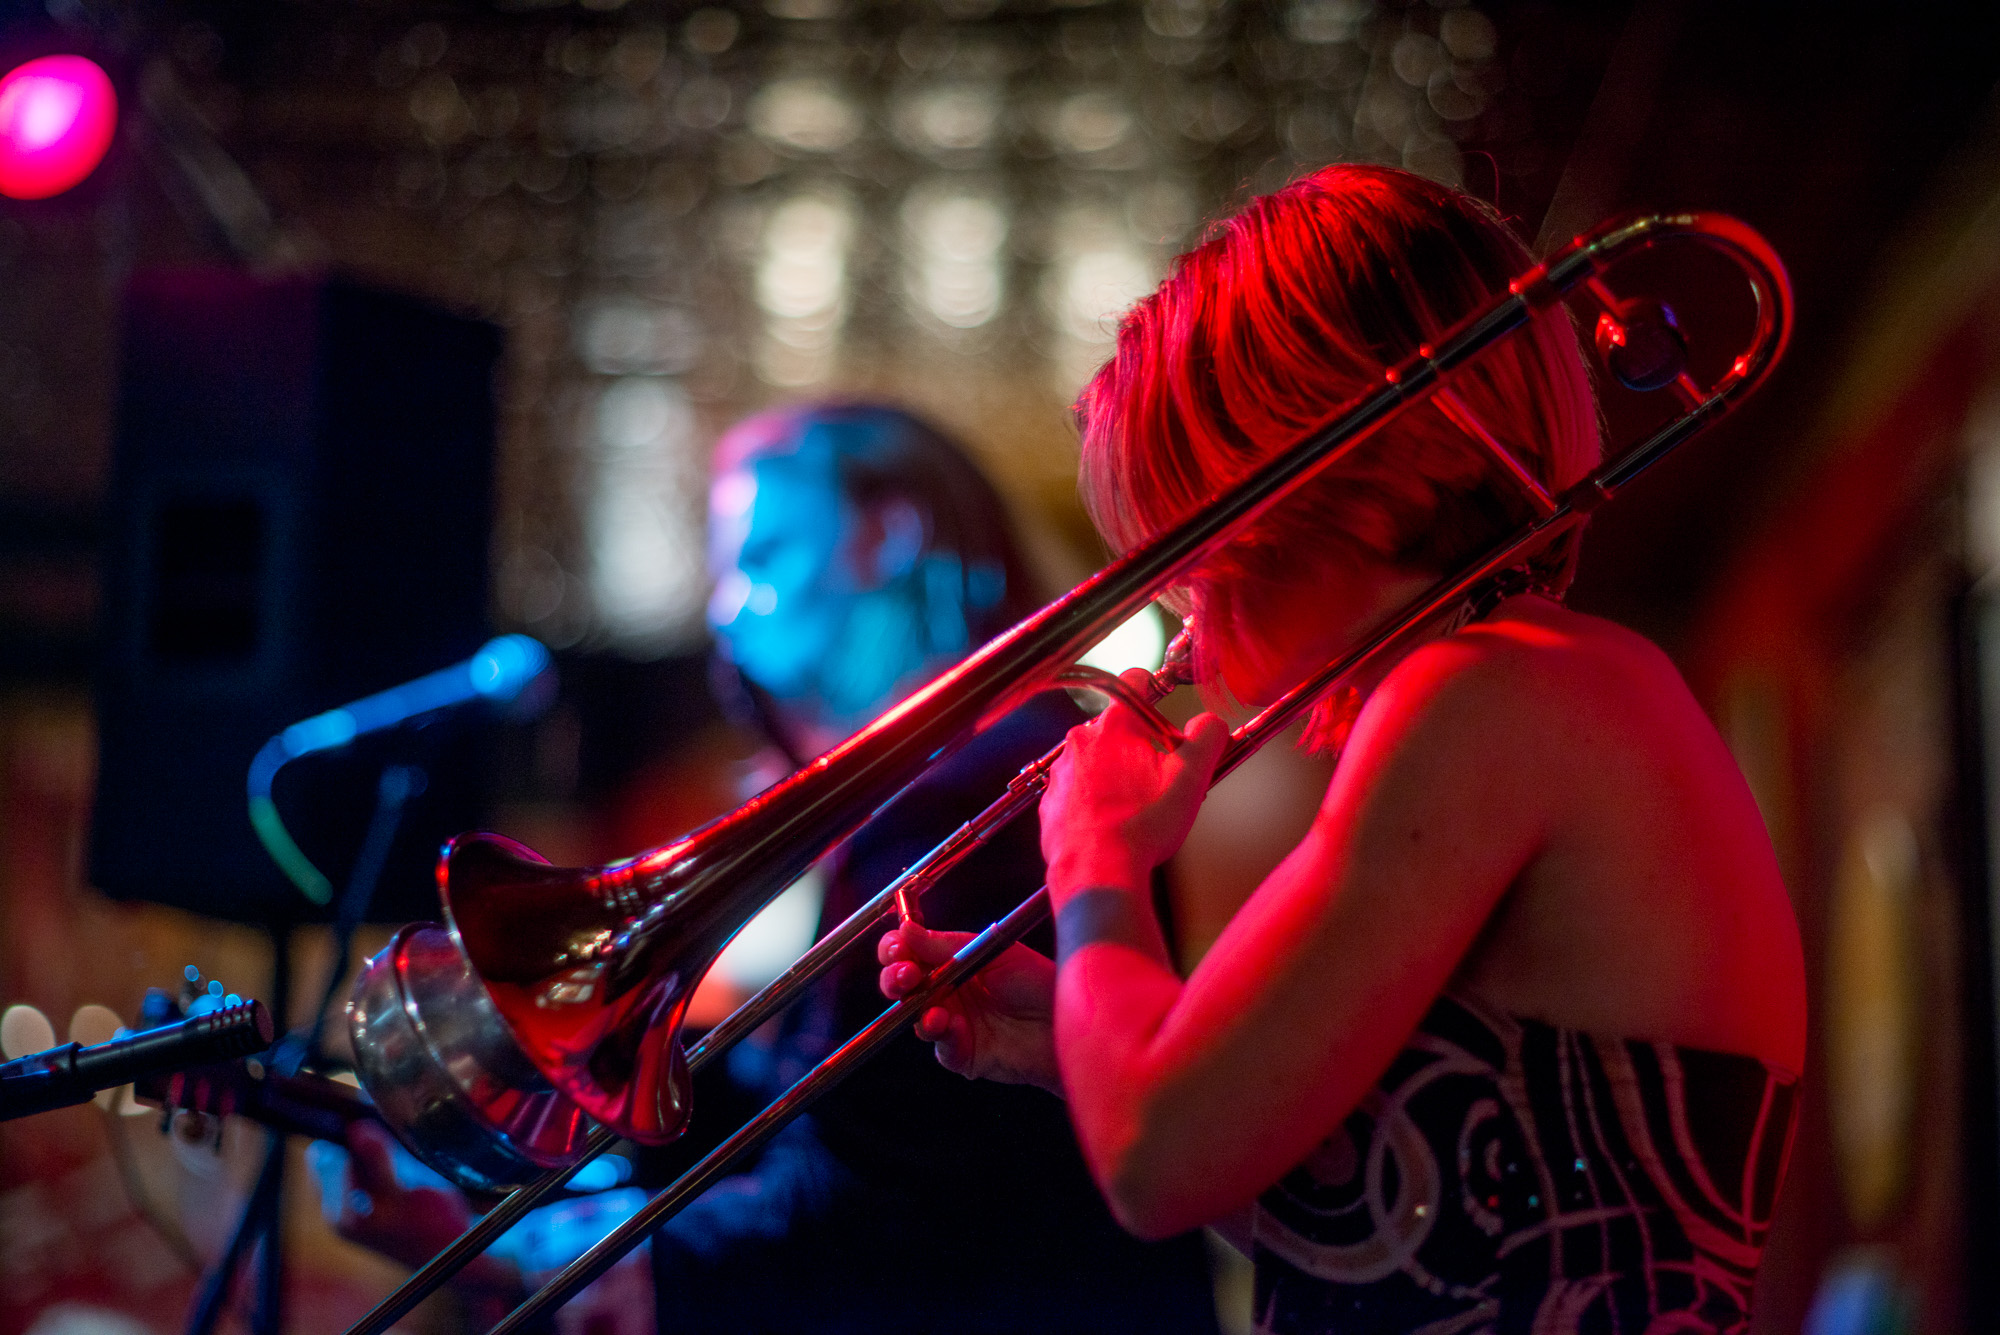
column 1260, row 690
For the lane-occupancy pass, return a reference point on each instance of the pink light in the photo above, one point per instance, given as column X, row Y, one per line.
column 57, row 115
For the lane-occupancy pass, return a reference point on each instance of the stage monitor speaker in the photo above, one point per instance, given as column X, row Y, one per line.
column 300, row 516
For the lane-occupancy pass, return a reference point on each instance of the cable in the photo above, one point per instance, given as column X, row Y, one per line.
column 503, row 669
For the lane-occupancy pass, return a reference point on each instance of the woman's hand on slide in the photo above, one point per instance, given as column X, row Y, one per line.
column 1116, row 807
column 998, row 1026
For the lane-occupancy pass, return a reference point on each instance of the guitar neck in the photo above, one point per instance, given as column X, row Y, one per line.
column 300, row 1105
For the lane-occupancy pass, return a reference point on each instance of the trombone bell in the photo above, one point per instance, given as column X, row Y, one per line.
column 546, row 941
column 445, row 1074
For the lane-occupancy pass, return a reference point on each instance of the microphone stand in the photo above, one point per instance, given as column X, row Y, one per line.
column 499, row 672
column 262, row 1224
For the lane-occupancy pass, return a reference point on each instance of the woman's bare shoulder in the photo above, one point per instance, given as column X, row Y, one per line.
column 1537, row 631
column 1533, row 645
column 1536, row 675
column 1527, row 647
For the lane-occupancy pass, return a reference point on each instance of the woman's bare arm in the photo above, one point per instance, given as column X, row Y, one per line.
column 1535, row 811
column 1191, row 1097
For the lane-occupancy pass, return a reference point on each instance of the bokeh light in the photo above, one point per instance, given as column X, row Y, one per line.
column 24, row 1030
column 954, row 265
column 1139, row 641
column 57, row 115
column 802, row 286
column 647, row 574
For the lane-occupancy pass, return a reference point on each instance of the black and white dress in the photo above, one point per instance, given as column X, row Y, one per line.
column 1509, row 1176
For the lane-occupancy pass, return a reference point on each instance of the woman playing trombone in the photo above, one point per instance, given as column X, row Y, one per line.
column 1508, row 1041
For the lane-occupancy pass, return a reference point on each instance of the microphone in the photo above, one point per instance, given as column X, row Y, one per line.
column 70, row 1074
column 499, row 673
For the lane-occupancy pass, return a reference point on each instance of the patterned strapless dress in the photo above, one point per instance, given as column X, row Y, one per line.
column 1508, row 1176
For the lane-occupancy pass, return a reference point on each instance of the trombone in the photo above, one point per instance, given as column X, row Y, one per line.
column 553, row 998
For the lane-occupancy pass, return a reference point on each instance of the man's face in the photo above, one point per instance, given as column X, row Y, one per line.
column 780, row 531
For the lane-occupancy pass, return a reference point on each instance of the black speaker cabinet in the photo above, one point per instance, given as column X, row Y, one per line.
column 300, row 515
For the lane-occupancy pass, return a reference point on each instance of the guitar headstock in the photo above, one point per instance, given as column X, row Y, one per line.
column 302, row 1103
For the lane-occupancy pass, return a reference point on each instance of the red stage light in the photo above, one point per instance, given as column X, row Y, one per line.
column 57, row 115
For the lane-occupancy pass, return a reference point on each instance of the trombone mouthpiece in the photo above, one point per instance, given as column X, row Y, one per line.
column 1177, row 668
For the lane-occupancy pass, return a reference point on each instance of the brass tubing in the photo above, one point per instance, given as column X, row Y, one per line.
column 485, row 1231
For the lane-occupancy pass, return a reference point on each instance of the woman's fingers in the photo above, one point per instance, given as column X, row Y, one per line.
column 909, row 952
column 1206, row 735
column 951, row 1036
column 899, row 980
column 952, row 1041
column 996, row 1026
column 911, row 942
column 933, row 1024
